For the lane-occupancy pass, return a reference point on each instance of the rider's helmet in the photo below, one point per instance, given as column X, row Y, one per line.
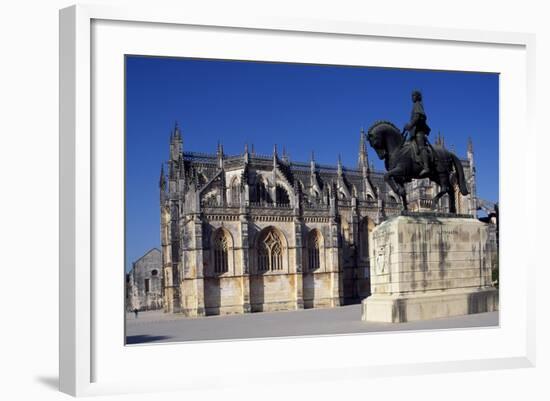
column 416, row 93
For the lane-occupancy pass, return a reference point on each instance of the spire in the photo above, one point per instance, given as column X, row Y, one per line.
column 339, row 164
column 470, row 154
column 245, row 155
column 312, row 163
column 177, row 133
column 361, row 159
column 219, row 153
column 274, row 155
column 175, row 142
column 363, row 153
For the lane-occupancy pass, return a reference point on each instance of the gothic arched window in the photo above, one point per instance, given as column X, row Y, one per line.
column 314, row 249
column 392, row 201
column 270, row 252
column 261, row 193
column 221, row 248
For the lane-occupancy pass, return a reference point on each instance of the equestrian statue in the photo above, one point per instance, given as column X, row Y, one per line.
column 407, row 159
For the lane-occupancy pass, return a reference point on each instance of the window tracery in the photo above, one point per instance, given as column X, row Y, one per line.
column 221, row 247
column 270, row 253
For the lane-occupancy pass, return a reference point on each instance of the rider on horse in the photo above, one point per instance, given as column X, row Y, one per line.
column 419, row 131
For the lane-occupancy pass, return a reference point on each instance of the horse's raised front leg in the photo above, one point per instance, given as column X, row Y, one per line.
column 435, row 199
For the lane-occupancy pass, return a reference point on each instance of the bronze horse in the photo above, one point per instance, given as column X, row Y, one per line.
column 402, row 164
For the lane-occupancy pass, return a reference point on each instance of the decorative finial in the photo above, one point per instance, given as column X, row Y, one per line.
column 285, row 154
column 470, row 145
column 363, row 155
column 440, row 139
column 245, row 155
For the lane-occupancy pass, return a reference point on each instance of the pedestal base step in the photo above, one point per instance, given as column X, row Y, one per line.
column 399, row 308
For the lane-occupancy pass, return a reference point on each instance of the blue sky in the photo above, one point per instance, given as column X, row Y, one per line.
column 302, row 107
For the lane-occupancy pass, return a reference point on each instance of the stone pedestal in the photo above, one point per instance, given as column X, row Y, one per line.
column 425, row 266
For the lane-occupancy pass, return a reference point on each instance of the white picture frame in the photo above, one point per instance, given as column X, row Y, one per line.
column 91, row 350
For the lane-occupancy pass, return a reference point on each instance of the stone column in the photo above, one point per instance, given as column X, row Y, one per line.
column 199, row 282
column 298, row 258
column 245, row 274
column 336, row 276
column 192, row 285
column 354, row 245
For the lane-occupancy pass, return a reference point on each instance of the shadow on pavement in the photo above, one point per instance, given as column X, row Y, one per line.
column 144, row 339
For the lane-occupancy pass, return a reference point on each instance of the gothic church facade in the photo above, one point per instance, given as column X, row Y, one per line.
column 250, row 232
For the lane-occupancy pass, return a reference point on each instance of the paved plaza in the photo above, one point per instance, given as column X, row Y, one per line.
column 157, row 327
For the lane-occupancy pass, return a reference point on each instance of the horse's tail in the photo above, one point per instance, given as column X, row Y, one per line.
column 460, row 174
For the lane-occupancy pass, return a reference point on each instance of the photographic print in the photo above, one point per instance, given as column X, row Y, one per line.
column 271, row 199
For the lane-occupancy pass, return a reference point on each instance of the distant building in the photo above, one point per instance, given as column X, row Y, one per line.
column 144, row 282
column 250, row 232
